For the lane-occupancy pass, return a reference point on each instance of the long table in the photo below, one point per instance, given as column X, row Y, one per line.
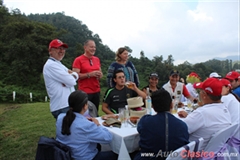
column 125, row 139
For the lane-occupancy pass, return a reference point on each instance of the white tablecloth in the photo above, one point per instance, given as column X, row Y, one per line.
column 125, row 140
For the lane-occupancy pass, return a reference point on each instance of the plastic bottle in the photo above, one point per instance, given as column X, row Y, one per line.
column 148, row 102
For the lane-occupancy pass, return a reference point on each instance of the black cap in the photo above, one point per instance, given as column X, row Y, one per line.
column 173, row 72
column 153, row 75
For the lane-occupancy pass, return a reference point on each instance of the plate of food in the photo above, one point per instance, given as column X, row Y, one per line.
column 112, row 122
column 105, row 117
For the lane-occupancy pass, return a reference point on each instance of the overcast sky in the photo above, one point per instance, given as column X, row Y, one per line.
column 190, row 30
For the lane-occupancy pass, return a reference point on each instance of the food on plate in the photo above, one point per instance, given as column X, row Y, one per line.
column 180, row 104
column 105, row 117
column 134, row 119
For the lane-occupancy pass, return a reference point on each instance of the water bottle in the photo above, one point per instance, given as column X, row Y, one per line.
column 148, row 103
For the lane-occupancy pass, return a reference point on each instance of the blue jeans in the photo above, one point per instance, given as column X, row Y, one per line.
column 57, row 112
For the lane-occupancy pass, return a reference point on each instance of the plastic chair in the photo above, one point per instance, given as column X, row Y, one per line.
column 182, row 152
column 197, row 147
column 220, row 138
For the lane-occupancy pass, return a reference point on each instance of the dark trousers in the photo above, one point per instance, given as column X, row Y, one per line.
column 94, row 98
column 106, row 155
column 56, row 113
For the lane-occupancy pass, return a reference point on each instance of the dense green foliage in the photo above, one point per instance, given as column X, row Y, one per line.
column 24, row 49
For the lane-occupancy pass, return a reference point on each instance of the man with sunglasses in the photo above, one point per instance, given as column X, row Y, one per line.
column 117, row 96
column 88, row 68
column 59, row 80
column 234, row 78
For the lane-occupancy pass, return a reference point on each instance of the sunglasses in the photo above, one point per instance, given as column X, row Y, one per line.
column 91, row 63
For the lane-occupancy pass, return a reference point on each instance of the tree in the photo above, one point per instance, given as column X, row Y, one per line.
column 128, row 49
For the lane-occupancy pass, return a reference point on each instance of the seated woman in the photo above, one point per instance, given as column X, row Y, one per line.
column 82, row 134
column 153, row 129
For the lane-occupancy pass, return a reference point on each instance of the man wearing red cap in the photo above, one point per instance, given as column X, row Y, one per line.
column 88, row 68
column 234, row 78
column 59, row 80
column 211, row 117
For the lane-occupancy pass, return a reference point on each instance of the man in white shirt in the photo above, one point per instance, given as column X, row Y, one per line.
column 212, row 116
column 175, row 88
column 59, row 80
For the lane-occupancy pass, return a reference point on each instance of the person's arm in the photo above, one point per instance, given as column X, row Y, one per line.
column 138, row 91
column 144, row 90
column 105, row 108
column 194, row 121
column 89, row 74
column 187, row 94
column 136, row 78
column 62, row 76
column 97, row 134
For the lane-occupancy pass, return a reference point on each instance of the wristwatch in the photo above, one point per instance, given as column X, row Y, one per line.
column 88, row 76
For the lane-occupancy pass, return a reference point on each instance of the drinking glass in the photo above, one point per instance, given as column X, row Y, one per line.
column 175, row 107
column 121, row 114
column 126, row 117
column 129, row 85
column 189, row 104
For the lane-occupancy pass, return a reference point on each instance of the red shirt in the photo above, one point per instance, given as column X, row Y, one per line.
column 88, row 85
column 184, row 92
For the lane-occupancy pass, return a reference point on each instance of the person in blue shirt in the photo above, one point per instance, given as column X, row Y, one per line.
column 234, row 78
column 82, row 134
column 153, row 129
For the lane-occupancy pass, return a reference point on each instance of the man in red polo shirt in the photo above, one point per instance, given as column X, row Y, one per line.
column 88, row 68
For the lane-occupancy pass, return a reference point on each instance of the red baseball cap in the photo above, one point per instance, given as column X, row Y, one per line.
column 212, row 86
column 232, row 75
column 226, row 82
column 57, row 43
column 193, row 74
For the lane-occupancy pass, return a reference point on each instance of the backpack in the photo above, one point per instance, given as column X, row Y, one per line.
column 51, row 149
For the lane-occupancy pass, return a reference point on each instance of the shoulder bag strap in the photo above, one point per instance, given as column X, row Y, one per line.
column 166, row 131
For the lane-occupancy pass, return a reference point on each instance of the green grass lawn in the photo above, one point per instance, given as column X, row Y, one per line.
column 21, row 125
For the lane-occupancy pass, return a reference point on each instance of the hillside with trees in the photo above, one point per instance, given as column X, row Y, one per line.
column 24, row 49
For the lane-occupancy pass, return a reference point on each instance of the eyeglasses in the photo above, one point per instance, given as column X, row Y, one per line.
column 90, row 61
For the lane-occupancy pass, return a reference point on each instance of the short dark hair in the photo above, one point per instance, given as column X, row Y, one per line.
column 213, row 97
column 161, row 100
column 116, row 72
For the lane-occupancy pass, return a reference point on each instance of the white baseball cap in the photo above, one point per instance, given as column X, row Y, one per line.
column 214, row 75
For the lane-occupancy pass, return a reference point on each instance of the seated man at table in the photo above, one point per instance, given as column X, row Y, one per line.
column 212, row 116
column 153, row 129
column 116, row 97
column 177, row 89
